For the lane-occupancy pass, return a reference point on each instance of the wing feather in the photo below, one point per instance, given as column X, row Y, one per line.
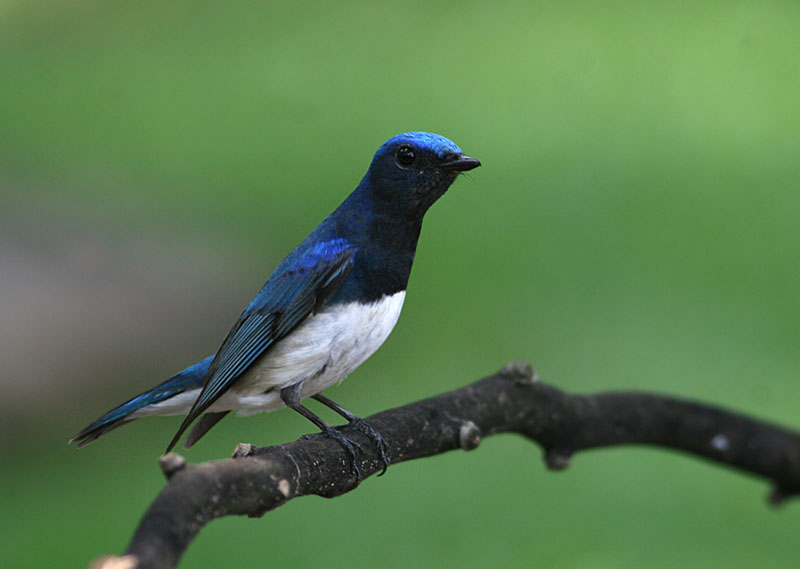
column 286, row 299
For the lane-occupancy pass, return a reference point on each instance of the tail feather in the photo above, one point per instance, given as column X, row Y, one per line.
column 88, row 435
column 202, row 426
column 190, row 378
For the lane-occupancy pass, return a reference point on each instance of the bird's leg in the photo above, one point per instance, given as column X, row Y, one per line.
column 359, row 424
column 291, row 398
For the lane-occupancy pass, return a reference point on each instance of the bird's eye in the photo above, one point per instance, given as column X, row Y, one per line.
column 405, row 156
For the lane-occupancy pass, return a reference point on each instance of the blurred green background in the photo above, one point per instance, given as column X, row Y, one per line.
column 635, row 225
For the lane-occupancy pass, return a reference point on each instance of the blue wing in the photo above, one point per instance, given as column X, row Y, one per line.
column 289, row 296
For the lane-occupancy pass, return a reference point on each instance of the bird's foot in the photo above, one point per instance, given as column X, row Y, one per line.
column 347, row 443
column 360, row 424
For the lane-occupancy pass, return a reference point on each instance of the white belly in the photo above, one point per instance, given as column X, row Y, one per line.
column 321, row 351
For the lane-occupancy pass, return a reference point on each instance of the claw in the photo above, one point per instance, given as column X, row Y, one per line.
column 347, row 443
column 360, row 424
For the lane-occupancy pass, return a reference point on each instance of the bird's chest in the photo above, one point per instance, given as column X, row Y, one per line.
column 326, row 347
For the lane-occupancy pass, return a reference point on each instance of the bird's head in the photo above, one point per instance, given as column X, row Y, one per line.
column 412, row 170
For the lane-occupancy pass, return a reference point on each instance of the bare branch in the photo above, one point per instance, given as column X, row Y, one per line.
column 257, row 480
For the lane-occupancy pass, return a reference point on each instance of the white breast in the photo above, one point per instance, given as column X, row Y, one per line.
column 321, row 351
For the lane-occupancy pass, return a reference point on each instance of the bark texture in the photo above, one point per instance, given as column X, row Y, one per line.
column 257, row 480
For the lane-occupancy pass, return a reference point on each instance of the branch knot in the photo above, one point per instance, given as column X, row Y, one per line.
column 171, row 463
column 521, row 372
column 469, row 435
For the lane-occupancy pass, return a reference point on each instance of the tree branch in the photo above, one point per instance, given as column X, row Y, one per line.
column 257, row 480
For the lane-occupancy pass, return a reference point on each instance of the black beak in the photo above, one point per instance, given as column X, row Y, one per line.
column 460, row 164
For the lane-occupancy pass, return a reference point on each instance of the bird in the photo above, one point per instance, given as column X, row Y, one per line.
column 327, row 307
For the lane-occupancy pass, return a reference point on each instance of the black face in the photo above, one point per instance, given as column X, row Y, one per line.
column 409, row 175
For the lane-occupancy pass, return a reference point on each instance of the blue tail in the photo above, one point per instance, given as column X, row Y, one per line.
column 190, row 378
